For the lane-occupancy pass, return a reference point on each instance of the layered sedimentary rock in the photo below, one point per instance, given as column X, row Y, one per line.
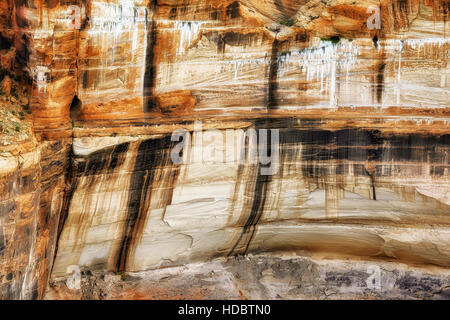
column 360, row 102
column 19, row 211
column 265, row 276
column 360, row 192
column 132, row 59
column 32, row 190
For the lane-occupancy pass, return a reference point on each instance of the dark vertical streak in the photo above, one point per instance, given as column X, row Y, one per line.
column 380, row 82
column 117, row 156
column 257, row 208
column 133, row 216
column 139, row 184
column 375, row 41
column 150, row 63
column 273, row 77
column 256, row 211
column 373, row 187
column 72, row 181
column 280, row 6
column 232, row 11
column 152, row 155
column 96, row 163
column 220, row 44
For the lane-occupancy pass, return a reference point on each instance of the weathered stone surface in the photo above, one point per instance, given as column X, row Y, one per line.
column 18, row 212
column 135, row 59
column 31, row 193
column 5, row 85
column 364, row 146
column 266, row 276
column 358, row 192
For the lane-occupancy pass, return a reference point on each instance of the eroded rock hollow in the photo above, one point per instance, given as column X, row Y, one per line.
column 313, row 140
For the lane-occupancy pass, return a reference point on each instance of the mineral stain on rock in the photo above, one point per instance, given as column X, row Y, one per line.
column 86, row 178
column 148, row 174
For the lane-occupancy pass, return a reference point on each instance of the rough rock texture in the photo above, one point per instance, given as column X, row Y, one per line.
column 31, row 194
column 272, row 276
column 138, row 59
column 364, row 138
column 32, row 190
column 344, row 191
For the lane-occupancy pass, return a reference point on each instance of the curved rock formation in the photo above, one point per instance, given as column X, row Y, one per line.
column 344, row 191
column 325, row 131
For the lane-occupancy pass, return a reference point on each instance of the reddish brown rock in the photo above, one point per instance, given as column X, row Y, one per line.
column 5, row 85
column 227, row 54
column 363, row 115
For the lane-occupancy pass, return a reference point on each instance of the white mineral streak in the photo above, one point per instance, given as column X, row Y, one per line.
column 40, row 73
column 327, row 61
column 189, row 31
column 332, row 64
column 407, row 49
column 422, row 44
column 113, row 20
column 399, row 72
column 69, row 16
column 119, row 32
column 338, row 73
column 240, row 65
column 333, row 100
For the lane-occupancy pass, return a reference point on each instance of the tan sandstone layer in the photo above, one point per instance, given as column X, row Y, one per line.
column 364, row 135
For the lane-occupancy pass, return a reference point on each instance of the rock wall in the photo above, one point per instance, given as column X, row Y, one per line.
column 264, row 276
column 32, row 190
column 134, row 60
column 362, row 114
column 345, row 192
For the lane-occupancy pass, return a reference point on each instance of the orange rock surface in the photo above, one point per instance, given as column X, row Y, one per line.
column 359, row 91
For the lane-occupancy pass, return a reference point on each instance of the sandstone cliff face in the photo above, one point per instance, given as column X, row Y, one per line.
column 264, row 276
column 362, row 114
column 356, row 192
column 32, row 189
column 136, row 59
